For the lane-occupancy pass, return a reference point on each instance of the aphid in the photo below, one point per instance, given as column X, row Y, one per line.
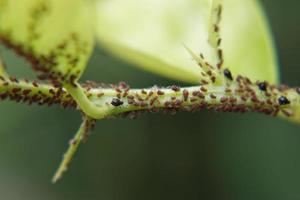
column 201, row 95
column 16, row 90
column 143, row 104
column 139, row 97
column 143, row 91
column 159, row 92
column 268, row 94
column 13, row 79
column 118, row 90
column 227, row 74
column 123, row 85
column 167, row 103
column 219, row 65
column 213, row 96
column 116, row 102
column 195, row 93
column 262, row 86
column 213, row 79
column 185, row 94
column 239, row 78
column 248, row 89
column 193, row 99
column 223, row 99
column 216, row 28
column 244, row 98
column 152, row 101
column 228, row 90
column 239, row 90
column 254, row 99
column 125, row 93
column 203, row 89
column 51, row 91
column 282, row 88
column 175, row 88
column 177, row 103
column 3, row 96
column 100, row 94
column 220, row 53
column 35, row 84
column 150, row 94
column 131, row 101
column 283, row 100
column 269, row 102
column 232, row 100
column 204, row 82
column 130, row 97
column 26, row 92
column 247, row 81
column 203, row 74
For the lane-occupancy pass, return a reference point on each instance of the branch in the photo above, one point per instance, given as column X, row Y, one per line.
column 214, row 38
column 239, row 95
column 80, row 136
column 219, row 90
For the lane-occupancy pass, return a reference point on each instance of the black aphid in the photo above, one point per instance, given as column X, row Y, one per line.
column 227, row 74
column 116, row 102
column 283, row 100
column 262, row 86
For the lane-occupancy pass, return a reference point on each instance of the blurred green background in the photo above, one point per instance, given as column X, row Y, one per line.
column 204, row 155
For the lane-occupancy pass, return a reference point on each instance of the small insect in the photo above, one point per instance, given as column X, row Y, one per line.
column 185, row 94
column 175, row 88
column 283, row 100
column 159, row 92
column 262, row 86
column 227, row 74
column 116, row 102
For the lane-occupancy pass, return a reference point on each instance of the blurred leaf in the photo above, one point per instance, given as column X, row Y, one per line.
column 2, row 68
column 151, row 34
column 54, row 35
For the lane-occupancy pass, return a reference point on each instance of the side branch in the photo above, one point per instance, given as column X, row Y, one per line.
column 74, row 143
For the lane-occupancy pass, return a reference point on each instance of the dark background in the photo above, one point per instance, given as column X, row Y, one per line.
column 204, row 155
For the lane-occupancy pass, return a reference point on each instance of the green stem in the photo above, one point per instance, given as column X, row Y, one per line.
column 96, row 102
column 73, row 146
column 88, row 107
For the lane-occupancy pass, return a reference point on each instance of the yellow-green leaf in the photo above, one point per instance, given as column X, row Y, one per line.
column 151, row 34
column 2, row 69
column 54, row 35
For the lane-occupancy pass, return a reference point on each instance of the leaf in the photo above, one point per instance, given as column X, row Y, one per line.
column 54, row 35
column 151, row 34
column 2, row 69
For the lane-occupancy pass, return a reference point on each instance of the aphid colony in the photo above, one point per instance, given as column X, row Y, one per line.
column 218, row 89
column 48, row 65
column 33, row 92
column 240, row 96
